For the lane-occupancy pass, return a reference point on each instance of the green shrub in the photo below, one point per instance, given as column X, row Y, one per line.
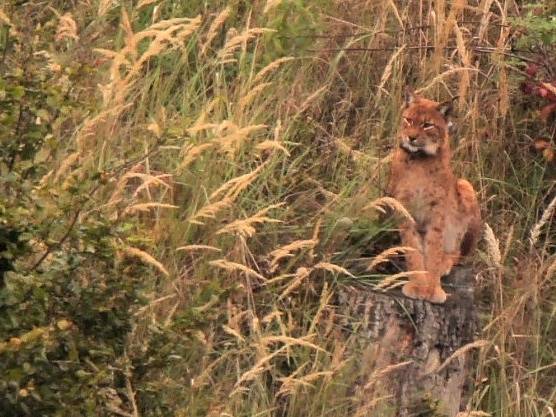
column 65, row 297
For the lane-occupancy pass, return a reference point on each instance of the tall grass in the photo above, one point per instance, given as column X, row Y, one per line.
column 247, row 144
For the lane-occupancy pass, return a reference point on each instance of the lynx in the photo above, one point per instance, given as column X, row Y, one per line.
column 445, row 210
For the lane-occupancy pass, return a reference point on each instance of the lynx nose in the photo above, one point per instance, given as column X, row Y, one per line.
column 412, row 140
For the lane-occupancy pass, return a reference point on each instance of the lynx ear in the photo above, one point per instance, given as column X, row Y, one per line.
column 447, row 107
column 409, row 96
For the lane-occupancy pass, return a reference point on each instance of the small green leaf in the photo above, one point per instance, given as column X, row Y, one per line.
column 18, row 92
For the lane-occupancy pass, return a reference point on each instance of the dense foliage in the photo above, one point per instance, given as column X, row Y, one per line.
column 65, row 300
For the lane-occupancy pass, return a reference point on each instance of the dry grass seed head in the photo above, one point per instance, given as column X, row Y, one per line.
column 104, row 6
column 201, row 121
column 312, row 97
column 324, row 300
column 256, row 370
column 493, row 246
column 67, row 28
column 235, row 41
column 214, row 27
column 391, row 281
column 156, row 126
column 146, row 181
column 251, row 95
column 440, row 78
column 99, row 127
column 191, row 153
column 143, row 3
column 246, row 227
column 459, row 352
column 4, row 18
column 154, row 180
column 393, row 204
column 284, row 387
column 66, row 165
column 210, row 211
column 199, row 126
column 347, row 150
column 278, row 278
column 551, row 270
column 233, row 333
column 122, row 184
column 230, row 143
column 330, row 267
column 545, row 218
column 300, row 275
column 292, row 341
column 271, row 316
column 369, row 404
column 271, row 67
column 165, row 35
column 385, row 255
column 286, row 251
column 271, row 145
column 387, row 73
column 146, row 207
column 379, row 373
column 485, row 20
column 503, row 82
column 271, row 4
column 190, row 248
column 236, row 267
column 315, row 236
column 127, row 63
column 464, row 54
column 232, row 188
column 291, row 384
column 503, row 92
column 508, row 243
column 145, row 258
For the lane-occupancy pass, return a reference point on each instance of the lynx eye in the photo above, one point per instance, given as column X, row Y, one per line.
column 427, row 125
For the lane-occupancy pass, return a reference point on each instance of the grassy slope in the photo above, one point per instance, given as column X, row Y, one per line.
column 257, row 151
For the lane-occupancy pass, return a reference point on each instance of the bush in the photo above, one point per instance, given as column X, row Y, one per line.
column 65, row 297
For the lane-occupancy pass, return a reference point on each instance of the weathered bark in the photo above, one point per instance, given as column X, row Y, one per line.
column 418, row 337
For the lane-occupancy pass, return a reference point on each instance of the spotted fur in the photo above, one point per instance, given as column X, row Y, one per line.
column 445, row 209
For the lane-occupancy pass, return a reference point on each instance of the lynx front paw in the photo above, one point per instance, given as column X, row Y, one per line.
column 430, row 293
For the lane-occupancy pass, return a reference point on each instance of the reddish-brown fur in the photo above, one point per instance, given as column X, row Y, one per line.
column 445, row 209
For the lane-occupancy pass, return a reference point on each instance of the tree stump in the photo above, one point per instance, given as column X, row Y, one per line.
column 411, row 365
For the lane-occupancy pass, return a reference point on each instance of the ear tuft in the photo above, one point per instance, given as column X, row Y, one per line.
column 446, row 108
column 409, row 96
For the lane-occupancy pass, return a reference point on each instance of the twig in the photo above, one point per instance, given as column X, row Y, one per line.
column 5, row 50
column 480, row 49
column 119, row 411
column 461, row 351
column 80, row 209
column 16, row 135
column 131, row 397
column 60, row 242
column 369, row 32
column 490, row 50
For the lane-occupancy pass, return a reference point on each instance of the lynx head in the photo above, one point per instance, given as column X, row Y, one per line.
column 425, row 125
